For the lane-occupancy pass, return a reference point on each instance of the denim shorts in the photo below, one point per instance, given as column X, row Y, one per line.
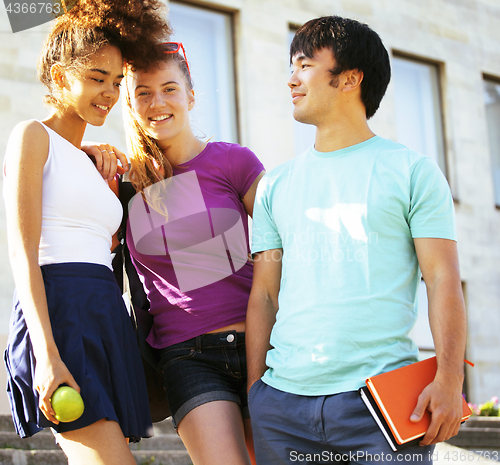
column 204, row 369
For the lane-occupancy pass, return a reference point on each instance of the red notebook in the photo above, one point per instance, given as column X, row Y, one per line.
column 391, row 398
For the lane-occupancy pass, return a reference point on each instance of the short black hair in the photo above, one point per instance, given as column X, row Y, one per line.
column 354, row 46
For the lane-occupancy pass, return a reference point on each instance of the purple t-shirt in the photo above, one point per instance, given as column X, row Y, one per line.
column 189, row 243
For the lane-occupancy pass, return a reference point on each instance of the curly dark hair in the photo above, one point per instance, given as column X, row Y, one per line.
column 133, row 26
column 354, row 46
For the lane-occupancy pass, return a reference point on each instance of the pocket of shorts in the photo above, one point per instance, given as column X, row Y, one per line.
column 173, row 355
column 253, row 388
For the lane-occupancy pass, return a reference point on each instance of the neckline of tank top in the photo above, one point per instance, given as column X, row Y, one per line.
column 61, row 137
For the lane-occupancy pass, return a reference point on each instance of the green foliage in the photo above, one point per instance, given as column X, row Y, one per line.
column 488, row 409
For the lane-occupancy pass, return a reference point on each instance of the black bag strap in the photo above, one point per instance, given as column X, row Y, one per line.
column 129, row 282
column 127, row 278
column 126, row 192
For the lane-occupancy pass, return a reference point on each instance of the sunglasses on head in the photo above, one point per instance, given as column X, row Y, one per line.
column 174, row 47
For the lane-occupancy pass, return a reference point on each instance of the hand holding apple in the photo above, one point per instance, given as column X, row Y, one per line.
column 67, row 403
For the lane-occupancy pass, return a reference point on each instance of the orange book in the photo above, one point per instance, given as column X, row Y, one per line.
column 391, row 398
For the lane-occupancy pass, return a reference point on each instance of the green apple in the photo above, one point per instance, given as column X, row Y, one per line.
column 67, row 403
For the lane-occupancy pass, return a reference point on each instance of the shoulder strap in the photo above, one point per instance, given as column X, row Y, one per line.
column 124, row 270
column 126, row 192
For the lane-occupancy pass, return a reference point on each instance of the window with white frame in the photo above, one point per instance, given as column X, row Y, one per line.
column 417, row 97
column 492, row 102
column 303, row 134
column 207, row 37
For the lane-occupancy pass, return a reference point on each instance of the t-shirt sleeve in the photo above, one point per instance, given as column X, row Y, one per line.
column 265, row 235
column 244, row 167
column 432, row 212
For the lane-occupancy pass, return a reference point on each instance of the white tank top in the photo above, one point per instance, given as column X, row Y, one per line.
column 80, row 212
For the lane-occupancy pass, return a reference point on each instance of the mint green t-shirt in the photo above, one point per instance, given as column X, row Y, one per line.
column 346, row 221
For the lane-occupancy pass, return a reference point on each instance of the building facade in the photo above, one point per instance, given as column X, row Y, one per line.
column 443, row 100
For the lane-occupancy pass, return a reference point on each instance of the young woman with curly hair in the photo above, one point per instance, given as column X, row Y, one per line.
column 69, row 324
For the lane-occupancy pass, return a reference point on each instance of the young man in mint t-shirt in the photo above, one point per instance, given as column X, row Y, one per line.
column 340, row 236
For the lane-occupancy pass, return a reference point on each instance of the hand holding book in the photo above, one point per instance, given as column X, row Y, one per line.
column 391, row 399
column 443, row 399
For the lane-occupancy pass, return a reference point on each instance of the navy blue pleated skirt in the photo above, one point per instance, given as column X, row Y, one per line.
column 96, row 341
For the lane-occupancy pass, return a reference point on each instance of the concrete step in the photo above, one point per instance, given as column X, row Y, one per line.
column 44, row 440
column 24, row 457
column 6, row 423
column 482, row 422
column 477, row 438
column 162, row 427
column 162, row 457
column 480, row 434
column 165, row 448
column 446, row 454
column 160, row 442
column 57, row 457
